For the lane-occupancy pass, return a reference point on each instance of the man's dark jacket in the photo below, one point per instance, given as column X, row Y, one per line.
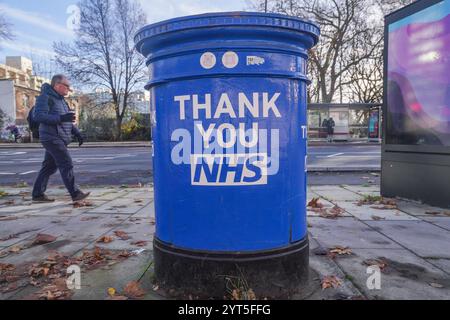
column 49, row 107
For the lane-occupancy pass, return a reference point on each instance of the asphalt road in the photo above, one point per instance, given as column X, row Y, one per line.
column 119, row 166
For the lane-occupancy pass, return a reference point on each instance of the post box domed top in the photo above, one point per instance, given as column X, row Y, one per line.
column 226, row 29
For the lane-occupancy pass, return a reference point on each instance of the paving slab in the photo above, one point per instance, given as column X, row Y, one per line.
column 148, row 195
column 80, row 229
column 348, row 232
column 366, row 212
column 39, row 253
column 23, row 228
column 362, row 189
column 424, row 239
column 443, row 264
column 29, row 206
column 146, row 212
column 418, row 209
column 121, row 206
column 443, row 222
column 322, row 266
column 106, row 194
column 406, row 277
column 95, row 284
column 339, row 194
column 138, row 231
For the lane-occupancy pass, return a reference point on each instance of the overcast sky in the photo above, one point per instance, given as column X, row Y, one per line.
column 38, row 23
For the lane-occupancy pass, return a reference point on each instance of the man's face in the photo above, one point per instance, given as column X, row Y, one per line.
column 62, row 87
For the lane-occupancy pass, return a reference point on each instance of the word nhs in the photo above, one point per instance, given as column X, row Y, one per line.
column 229, row 169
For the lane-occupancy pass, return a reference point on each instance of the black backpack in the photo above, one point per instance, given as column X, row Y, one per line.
column 32, row 123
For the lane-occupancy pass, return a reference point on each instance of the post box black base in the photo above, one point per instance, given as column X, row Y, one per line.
column 275, row 274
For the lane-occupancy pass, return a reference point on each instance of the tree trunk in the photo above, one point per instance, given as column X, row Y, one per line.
column 119, row 129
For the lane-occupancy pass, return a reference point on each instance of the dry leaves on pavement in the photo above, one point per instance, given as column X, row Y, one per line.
column 332, row 213
column 140, row 243
column 314, row 203
column 81, row 204
column 331, row 282
column 378, row 202
column 43, row 239
column 133, row 290
column 57, row 290
column 122, row 235
column 379, row 262
column 339, row 251
column 105, row 239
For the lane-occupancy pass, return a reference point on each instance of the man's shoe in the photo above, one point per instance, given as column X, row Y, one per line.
column 43, row 198
column 81, row 196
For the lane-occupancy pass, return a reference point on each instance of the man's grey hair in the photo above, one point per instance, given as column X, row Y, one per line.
column 57, row 78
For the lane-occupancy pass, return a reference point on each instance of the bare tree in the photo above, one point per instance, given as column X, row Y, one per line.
column 388, row 6
column 103, row 54
column 5, row 29
column 348, row 60
column 347, row 39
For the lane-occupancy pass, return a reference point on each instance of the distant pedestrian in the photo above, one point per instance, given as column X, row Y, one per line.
column 330, row 129
column 55, row 133
column 15, row 132
column 323, row 131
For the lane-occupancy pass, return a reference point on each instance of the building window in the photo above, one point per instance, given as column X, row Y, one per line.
column 25, row 100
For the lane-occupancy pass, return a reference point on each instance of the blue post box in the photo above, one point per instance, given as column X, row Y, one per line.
column 228, row 102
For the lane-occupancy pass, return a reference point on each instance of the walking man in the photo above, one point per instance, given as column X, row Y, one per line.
column 56, row 127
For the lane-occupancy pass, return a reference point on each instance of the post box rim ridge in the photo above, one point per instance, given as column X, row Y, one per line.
column 236, row 19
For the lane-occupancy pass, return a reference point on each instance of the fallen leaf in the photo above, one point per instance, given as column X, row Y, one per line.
column 106, row 239
column 436, row 285
column 434, row 213
column 89, row 218
column 377, row 218
column 8, row 203
column 15, row 249
column 80, row 204
column 337, row 210
column 43, row 239
column 341, row 250
column 122, row 235
column 140, row 243
column 314, row 203
column 333, row 213
column 331, row 282
column 111, row 292
column 138, row 201
column 6, row 267
column 380, row 262
column 133, row 290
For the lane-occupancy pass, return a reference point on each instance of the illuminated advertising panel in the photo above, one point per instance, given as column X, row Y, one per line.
column 418, row 78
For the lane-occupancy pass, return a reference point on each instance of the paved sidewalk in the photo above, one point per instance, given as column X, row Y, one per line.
column 119, row 144
column 110, row 238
